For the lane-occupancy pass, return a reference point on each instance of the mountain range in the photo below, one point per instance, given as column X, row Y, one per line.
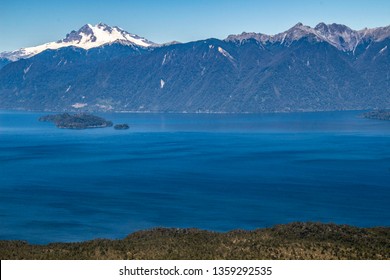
column 100, row 68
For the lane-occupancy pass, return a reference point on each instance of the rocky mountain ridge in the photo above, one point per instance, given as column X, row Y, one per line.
column 338, row 35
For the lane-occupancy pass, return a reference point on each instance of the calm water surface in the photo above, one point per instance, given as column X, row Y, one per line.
column 217, row 172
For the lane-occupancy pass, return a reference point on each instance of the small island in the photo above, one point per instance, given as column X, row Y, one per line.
column 378, row 115
column 76, row 121
column 121, row 126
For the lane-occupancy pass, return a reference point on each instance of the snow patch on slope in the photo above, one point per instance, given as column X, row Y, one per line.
column 164, row 59
column 25, row 71
column 225, row 54
column 79, row 105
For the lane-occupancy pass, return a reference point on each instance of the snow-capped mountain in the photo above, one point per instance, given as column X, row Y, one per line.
column 338, row 35
column 328, row 67
column 87, row 37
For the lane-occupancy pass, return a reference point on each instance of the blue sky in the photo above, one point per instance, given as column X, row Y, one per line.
column 29, row 23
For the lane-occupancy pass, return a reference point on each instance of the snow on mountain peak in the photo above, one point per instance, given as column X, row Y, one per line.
column 87, row 37
column 92, row 36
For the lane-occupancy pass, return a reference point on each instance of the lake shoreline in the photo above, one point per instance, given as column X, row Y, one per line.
column 182, row 112
column 307, row 241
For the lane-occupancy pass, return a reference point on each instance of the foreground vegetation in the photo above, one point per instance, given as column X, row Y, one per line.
column 292, row 241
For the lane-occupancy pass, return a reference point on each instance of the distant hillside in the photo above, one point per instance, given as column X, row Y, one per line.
column 329, row 67
column 293, row 241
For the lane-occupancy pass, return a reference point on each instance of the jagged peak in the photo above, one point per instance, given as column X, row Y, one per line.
column 248, row 35
column 321, row 25
column 334, row 27
column 298, row 25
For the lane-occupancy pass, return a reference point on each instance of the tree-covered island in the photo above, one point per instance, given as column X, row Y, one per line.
column 122, row 126
column 76, row 121
column 378, row 115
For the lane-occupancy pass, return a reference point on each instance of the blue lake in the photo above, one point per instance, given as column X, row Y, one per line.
column 209, row 171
